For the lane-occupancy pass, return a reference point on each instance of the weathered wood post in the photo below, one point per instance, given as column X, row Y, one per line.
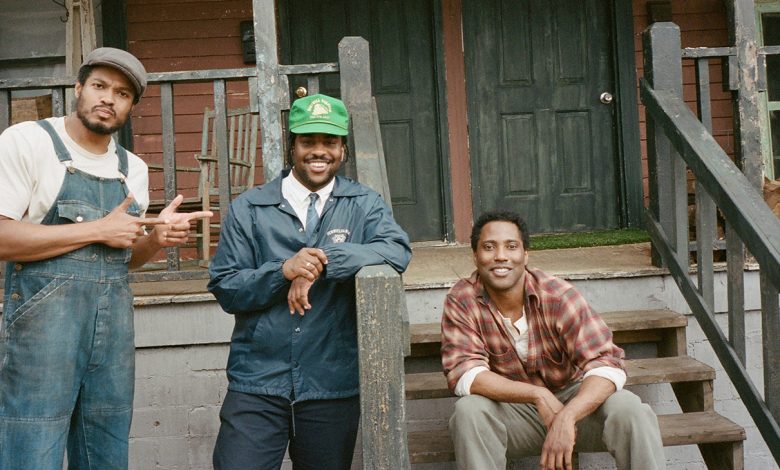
column 271, row 86
column 667, row 174
column 380, row 309
column 169, row 161
column 355, row 71
column 747, row 122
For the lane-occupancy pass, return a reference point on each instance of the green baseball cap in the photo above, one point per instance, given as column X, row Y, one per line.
column 319, row 114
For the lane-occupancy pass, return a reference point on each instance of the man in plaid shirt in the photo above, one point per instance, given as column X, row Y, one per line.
column 536, row 367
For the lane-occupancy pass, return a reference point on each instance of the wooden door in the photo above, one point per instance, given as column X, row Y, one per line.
column 401, row 40
column 541, row 141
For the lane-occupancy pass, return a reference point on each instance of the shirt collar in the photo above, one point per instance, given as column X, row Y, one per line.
column 300, row 193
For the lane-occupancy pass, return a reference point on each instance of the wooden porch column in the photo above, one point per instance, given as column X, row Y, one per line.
column 666, row 170
column 742, row 33
column 270, row 86
column 457, row 118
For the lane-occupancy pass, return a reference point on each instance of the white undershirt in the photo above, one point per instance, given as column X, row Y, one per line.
column 31, row 174
column 519, row 332
column 298, row 196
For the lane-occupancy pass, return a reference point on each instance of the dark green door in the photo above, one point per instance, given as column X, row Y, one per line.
column 400, row 36
column 541, row 141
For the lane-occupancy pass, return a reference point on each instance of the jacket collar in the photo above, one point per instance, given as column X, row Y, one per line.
column 270, row 194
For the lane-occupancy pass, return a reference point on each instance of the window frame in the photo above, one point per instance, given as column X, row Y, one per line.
column 766, row 106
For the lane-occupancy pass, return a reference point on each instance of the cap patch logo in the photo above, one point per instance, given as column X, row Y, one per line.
column 319, row 108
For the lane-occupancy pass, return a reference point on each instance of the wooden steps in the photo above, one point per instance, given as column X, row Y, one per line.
column 663, row 327
column 640, row 372
column 705, row 427
column 719, row 439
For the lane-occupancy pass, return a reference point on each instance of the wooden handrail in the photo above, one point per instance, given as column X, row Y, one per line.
column 678, row 140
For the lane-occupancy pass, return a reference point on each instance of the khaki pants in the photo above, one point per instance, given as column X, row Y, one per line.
column 486, row 433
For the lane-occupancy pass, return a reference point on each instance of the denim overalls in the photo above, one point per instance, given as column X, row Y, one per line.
column 67, row 356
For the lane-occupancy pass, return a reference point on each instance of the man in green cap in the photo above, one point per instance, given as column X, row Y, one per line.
column 287, row 257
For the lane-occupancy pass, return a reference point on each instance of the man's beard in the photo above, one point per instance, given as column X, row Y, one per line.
column 99, row 127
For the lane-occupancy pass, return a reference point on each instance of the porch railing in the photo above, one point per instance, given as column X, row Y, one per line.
column 677, row 142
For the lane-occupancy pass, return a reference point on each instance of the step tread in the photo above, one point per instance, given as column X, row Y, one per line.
column 639, row 371
column 704, row 427
column 631, row 320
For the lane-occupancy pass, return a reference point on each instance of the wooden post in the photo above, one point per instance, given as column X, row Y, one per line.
column 770, row 326
column 270, row 87
column 79, row 39
column 355, row 68
column 169, row 160
column 380, row 305
column 742, row 32
column 706, row 222
column 5, row 109
column 221, row 146
column 667, row 174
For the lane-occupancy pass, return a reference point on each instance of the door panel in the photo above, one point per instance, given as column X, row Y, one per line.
column 400, row 36
column 541, row 141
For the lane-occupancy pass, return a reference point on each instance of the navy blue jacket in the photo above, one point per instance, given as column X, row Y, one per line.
column 272, row 352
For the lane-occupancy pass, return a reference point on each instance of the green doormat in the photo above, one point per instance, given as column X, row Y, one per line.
column 555, row 241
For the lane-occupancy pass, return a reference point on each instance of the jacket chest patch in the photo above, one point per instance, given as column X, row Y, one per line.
column 338, row 235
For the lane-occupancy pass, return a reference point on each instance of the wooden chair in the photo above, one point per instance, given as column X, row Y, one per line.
column 242, row 154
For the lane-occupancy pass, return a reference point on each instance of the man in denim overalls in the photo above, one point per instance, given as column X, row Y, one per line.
column 71, row 224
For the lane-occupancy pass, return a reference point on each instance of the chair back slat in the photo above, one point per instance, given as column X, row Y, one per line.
column 242, row 150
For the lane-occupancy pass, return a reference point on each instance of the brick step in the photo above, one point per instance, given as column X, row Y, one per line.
column 707, row 427
column 664, row 327
column 675, row 369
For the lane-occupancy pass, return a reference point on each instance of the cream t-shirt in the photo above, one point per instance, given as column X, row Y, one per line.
column 31, row 175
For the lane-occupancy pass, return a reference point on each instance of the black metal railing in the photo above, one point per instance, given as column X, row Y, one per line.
column 678, row 142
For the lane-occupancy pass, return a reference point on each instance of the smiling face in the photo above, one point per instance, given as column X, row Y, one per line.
column 104, row 100
column 500, row 258
column 316, row 158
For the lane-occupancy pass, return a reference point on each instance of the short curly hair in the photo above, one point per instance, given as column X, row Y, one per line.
column 500, row 216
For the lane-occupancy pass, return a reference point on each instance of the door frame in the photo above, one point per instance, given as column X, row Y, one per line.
column 629, row 153
column 445, row 169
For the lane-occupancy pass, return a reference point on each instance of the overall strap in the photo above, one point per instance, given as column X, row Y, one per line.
column 122, row 154
column 59, row 146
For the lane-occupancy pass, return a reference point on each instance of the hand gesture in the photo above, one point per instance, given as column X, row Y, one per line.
column 298, row 295
column 119, row 229
column 176, row 228
column 307, row 263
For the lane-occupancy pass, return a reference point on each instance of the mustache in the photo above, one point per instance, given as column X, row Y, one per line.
column 107, row 108
column 311, row 159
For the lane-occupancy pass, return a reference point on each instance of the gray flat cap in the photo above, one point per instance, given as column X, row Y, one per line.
column 123, row 61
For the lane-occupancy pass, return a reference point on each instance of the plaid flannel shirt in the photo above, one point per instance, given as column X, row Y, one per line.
column 566, row 338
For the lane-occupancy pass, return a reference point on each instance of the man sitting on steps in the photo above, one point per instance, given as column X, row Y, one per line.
column 535, row 367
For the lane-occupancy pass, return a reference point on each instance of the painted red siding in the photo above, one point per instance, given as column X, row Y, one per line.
column 177, row 35
column 703, row 23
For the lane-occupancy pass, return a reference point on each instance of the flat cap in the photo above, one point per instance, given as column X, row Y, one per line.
column 123, row 61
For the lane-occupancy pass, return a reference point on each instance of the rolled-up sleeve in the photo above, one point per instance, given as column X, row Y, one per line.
column 587, row 337
column 462, row 347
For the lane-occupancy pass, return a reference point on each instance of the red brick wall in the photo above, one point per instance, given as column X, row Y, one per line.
column 703, row 23
column 178, row 35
